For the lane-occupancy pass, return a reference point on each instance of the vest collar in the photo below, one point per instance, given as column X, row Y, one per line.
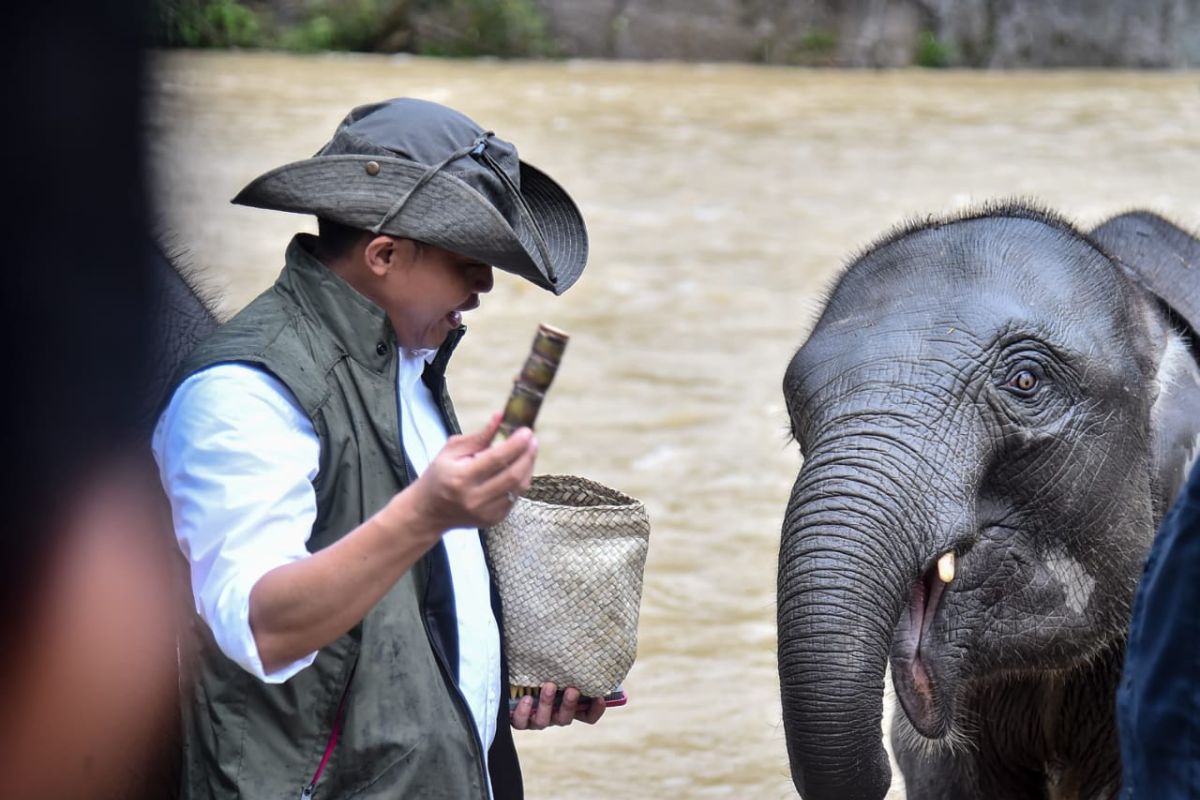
column 360, row 328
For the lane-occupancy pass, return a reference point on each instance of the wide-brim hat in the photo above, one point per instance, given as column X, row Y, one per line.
column 419, row 170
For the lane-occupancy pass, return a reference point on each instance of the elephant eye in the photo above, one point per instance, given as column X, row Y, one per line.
column 1022, row 383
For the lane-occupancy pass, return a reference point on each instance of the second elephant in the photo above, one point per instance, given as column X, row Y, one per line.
column 994, row 410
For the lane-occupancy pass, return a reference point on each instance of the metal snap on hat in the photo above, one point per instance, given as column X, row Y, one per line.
column 423, row 171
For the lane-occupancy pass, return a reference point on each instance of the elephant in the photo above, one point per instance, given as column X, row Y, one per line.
column 181, row 315
column 994, row 410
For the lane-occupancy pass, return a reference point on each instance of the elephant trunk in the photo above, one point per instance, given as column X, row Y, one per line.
column 842, row 586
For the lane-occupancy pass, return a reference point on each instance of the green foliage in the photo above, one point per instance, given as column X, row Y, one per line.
column 319, row 25
column 819, row 41
column 932, row 51
column 206, row 23
column 337, row 25
column 505, row 28
column 815, row 47
column 312, row 35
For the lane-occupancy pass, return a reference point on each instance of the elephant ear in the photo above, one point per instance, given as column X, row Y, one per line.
column 1164, row 260
column 1159, row 255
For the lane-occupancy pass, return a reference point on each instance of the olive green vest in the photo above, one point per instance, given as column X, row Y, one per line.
column 406, row 730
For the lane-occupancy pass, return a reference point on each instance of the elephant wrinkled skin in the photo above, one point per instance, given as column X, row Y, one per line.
column 994, row 411
column 182, row 316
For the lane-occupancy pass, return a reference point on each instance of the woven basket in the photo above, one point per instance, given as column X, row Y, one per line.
column 568, row 562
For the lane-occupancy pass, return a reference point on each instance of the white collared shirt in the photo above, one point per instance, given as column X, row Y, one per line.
column 237, row 457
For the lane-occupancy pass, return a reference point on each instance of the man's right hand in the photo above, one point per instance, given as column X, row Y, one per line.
column 470, row 483
column 300, row 607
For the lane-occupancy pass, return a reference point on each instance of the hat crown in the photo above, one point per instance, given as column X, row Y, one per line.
column 417, row 169
column 426, row 133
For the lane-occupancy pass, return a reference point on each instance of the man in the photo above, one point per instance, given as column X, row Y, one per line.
column 351, row 644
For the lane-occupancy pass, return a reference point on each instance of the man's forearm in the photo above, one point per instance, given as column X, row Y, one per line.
column 300, row 607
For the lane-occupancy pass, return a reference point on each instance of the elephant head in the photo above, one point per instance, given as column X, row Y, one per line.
column 981, row 408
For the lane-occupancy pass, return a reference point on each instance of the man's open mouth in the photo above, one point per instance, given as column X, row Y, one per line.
column 455, row 316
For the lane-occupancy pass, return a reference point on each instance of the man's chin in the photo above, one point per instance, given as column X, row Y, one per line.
column 436, row 336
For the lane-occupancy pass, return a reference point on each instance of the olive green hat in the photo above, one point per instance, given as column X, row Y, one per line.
column 420, row 170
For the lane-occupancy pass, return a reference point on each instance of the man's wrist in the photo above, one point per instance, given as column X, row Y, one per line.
column 404, row 517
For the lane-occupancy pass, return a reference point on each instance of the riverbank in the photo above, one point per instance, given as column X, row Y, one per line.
column 993, row 34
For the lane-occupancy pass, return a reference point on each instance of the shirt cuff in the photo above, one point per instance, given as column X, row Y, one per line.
column 235, row 637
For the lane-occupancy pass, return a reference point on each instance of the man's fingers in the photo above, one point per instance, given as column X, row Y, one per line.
column 493, row 425
column 487, row 463
column 520, row 717
column 515, row 477
column 566, row 712
column 541, row 717
column 466, row 444
column 501, row 491
column 526, row 717
column 593, row 712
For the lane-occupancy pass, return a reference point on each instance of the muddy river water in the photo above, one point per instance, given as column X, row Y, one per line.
column 721, row 200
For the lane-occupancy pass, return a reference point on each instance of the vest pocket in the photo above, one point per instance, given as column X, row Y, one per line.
column 308, row 792
column 385, row 772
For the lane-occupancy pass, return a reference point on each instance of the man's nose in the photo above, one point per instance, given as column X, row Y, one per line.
column 482, row 279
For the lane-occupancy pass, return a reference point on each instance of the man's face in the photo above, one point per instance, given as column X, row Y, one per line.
column 428, row 291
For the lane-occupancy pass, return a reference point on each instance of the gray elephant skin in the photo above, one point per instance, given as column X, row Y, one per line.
column 994, row 412
column 182, row 316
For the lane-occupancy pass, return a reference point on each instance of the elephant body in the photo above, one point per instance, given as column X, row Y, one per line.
column 182, row 316
column 995, row 411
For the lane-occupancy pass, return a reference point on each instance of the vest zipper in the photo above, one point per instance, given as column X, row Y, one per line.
column 442, row 403
column 309, row 790
column 466, row 711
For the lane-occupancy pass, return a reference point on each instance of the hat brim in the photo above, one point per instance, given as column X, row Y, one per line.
column 445, row 211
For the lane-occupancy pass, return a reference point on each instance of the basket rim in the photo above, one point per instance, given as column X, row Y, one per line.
column 631, row 501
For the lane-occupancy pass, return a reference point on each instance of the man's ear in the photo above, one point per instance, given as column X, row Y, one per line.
column 379, row 255
column 384, row 254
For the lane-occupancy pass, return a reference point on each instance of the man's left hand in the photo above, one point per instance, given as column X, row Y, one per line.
column 526, row 717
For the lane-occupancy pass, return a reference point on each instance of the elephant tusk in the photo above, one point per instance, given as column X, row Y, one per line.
column 945, row 566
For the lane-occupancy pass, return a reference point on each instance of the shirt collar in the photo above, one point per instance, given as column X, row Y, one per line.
column 412, row 365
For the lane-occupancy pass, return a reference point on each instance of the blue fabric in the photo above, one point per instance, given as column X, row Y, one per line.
column 1158, row 703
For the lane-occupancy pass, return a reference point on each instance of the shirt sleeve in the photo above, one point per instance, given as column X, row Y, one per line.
column 237, row 457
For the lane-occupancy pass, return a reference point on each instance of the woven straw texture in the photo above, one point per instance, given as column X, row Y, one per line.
column 568, row 560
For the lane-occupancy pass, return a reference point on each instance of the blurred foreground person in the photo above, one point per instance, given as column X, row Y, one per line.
column 89, row 669
column 1158, row 703
column 326, row 503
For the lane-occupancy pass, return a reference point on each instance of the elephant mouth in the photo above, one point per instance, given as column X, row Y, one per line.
column 915, row 666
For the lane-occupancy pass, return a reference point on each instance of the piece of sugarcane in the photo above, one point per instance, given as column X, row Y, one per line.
column 529, row 388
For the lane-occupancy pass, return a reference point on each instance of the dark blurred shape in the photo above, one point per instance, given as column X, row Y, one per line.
column 88, row 629
column 77, row 309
